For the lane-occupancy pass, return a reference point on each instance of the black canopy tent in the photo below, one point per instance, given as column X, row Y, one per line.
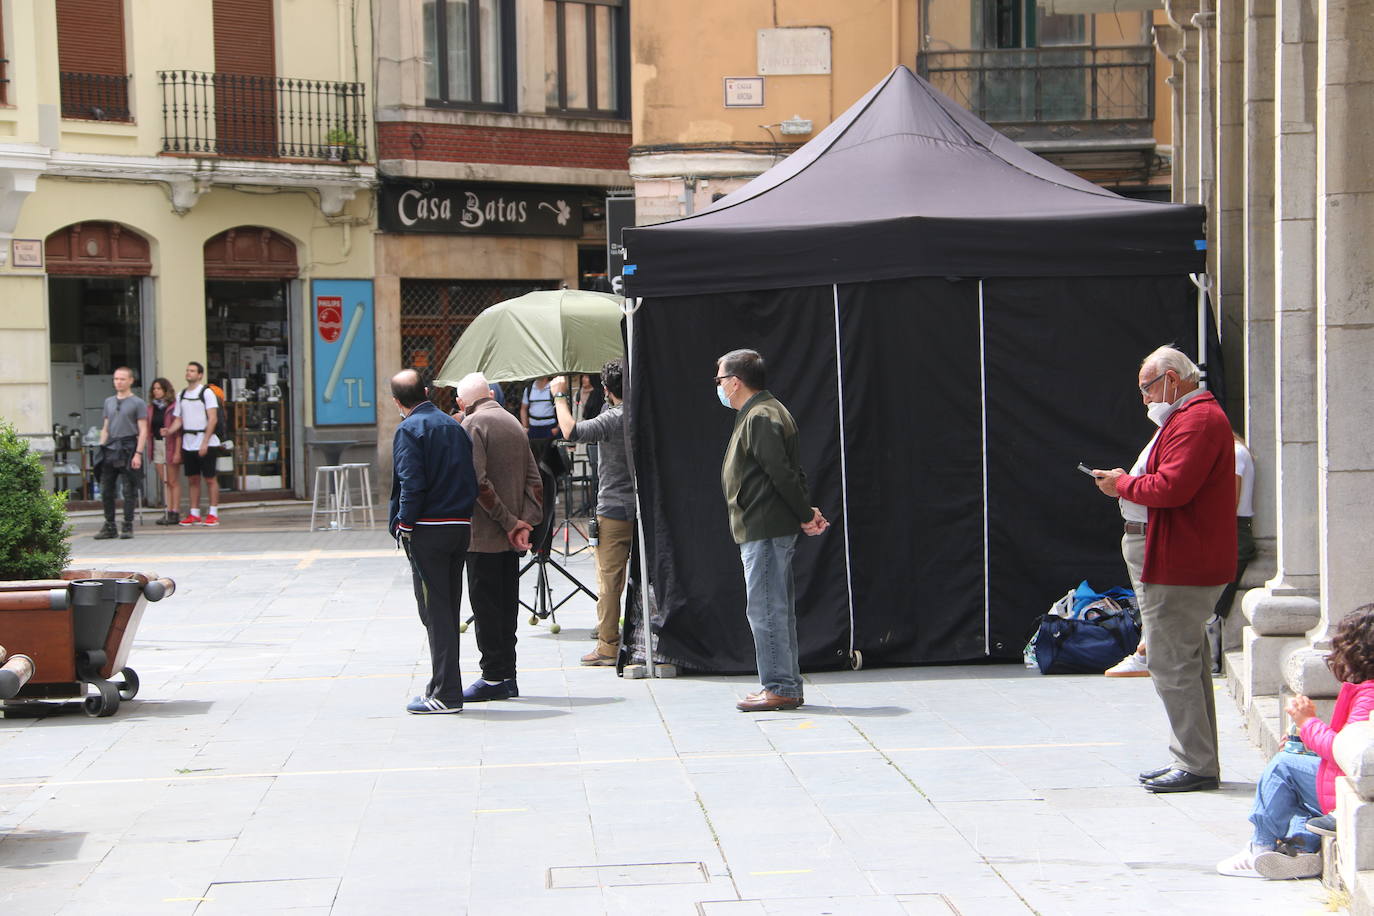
column 955, row 323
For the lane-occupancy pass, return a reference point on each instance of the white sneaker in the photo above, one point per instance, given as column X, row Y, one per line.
column 1281, row 866
column 1133, row 665
column 1241, row 865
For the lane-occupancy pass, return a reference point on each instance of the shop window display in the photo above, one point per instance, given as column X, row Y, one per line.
column 247, row 337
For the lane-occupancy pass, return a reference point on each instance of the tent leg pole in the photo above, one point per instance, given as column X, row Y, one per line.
column 1203, row 282
column 651, row 669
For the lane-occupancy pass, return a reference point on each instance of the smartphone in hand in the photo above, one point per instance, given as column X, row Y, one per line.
column 1086, row 470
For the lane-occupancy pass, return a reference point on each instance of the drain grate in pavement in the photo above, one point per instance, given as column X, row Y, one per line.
column 565, row 876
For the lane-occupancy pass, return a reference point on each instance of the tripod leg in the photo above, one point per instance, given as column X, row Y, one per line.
column 577, row 584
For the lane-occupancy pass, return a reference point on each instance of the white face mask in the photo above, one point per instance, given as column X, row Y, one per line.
column 724, row 398
column 1159, row 411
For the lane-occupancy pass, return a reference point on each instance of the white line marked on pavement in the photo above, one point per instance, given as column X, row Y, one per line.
column 351, row 677
column 282, row 555
column 535, row 765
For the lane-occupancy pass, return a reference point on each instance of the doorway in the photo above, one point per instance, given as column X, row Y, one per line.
column 98, row 320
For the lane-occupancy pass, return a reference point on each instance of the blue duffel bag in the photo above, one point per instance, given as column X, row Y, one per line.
column 1086, row 645
column 1086, row 632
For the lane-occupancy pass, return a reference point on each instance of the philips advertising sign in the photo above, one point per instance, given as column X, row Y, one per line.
column 345, row 376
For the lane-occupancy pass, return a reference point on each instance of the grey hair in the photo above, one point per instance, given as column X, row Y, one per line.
column 473, row 387
column 1166, row 358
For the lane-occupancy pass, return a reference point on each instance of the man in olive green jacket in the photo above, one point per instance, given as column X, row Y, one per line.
column 766, row 495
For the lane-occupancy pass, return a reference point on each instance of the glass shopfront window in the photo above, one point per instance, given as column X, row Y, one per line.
column 247, row 338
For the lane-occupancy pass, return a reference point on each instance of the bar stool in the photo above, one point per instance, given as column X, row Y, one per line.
column 361, row 473
column 329, row 486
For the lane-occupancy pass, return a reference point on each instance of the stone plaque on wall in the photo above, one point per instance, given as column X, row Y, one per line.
column 784, row 52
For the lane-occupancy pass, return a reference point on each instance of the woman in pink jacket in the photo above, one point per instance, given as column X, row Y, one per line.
column 1298, row 786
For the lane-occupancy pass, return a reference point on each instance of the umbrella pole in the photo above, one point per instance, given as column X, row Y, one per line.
column 650, row 667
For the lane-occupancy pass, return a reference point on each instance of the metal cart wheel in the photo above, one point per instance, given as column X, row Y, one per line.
column 128, row 688
column 105, row 703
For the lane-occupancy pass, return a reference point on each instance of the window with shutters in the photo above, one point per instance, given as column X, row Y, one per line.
column 583, row 56
column 468, row 58
column 90, row 55
column 245, row 78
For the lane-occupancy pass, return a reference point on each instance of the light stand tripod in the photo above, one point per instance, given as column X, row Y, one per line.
column 569, row 526
column 544, row 605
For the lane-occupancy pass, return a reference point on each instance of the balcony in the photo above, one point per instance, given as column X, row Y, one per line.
column 94, row 96
column 262, row 117
column 1053, row 97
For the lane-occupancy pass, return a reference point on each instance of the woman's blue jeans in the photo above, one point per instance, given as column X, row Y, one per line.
column 1284, row 799
column 770, row 606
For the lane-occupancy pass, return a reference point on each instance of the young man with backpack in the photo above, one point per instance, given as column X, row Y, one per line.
column 197, row 416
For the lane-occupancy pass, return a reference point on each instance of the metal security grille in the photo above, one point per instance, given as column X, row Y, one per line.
column 434, row 313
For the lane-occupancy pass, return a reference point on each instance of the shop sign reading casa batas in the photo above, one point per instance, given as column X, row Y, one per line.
column 468, row 209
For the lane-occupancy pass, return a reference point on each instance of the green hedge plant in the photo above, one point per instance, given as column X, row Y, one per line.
column 34, row 534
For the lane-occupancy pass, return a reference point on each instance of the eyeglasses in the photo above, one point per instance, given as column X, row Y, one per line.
column 721, row 378
column 1145, row 388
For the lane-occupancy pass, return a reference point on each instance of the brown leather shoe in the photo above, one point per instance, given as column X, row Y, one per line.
column 759, row 694
column 765, row 701
column 596, row 660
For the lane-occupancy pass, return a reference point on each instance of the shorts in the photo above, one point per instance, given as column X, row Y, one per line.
column 543, row 432
column 159, row 451
column 198, row 465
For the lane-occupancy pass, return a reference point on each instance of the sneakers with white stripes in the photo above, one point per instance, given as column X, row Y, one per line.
column 428, row 706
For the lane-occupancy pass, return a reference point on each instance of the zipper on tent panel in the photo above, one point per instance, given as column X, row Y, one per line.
column 983, row 417
column 844, row 469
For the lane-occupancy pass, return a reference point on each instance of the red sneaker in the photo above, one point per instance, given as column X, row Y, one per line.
column 211, row 521
column 189, row 520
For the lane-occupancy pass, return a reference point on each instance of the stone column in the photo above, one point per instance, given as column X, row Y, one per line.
column 1258, row 158
column 1286, row 607
column 1187, row 129
column 1169, row 42
column 1345, row 306
column 1229, row 261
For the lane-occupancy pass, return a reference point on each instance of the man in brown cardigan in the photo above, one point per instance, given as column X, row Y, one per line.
column 510, row 501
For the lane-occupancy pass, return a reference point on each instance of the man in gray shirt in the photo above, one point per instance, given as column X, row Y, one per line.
column 615, row 502
column 123, row 438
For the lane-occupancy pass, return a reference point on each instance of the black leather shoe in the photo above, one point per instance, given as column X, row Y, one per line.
column 1155, row 773
column 1181, row 781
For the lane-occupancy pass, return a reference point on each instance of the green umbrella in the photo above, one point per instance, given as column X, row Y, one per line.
column 546, row 332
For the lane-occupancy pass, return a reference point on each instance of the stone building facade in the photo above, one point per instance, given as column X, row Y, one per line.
column 1275, row 106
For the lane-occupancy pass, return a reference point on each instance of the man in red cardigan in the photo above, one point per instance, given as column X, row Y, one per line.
column 1188, row 485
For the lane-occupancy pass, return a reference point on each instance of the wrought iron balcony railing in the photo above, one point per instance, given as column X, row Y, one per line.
column 1051, row 93
column 94, row 96
column 226, row 114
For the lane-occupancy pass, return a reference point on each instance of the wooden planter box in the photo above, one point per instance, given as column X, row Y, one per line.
column 78, row 630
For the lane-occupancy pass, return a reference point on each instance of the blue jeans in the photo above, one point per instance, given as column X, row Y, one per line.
column 1284, row 799
column 771, row 608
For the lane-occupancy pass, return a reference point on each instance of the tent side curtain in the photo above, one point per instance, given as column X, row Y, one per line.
column 680, row 431
column 1061, row 357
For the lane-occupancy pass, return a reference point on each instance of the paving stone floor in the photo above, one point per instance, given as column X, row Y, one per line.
column 268, row 766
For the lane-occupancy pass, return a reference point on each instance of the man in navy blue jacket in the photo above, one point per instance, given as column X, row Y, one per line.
column 433, row 488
